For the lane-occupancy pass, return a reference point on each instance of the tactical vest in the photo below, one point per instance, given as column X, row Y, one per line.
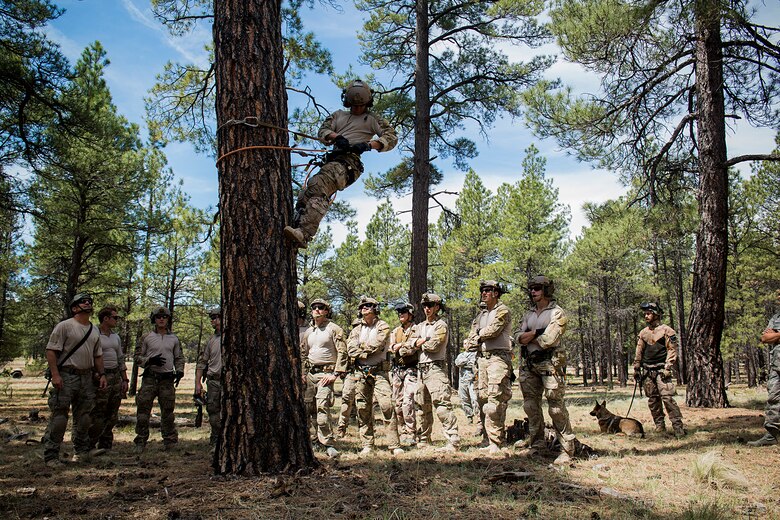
column 404, row 361
column 654, row 354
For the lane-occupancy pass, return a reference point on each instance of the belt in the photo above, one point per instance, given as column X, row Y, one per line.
column 112, row 370
column 77, row 371
column 424, row 367
column 164, row 376
column 214, row 377
column 487, row 354
column 316, row 369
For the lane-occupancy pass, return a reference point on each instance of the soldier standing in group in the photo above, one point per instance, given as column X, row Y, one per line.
column 368, row 347
column 71, row 379
column 656, row 354
column 105, row 414
column 324, row 355
column 543, row 370
column 771, row 337
column 210, row 364
column 404, row 373
column 430, row 338
column 161, row 357
column 347, row 394
column 351, row 132
column 491, row 339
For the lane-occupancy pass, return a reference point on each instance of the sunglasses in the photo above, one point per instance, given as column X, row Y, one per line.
column 84, row 300
column 318, row 307
column 367, row 306
column 116, row 317
column 536, row 288
column 213, row 316
column 429, row 305
column 488, row 289
column 158, row 316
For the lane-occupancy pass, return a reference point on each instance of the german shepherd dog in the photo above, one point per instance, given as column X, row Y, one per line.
column 611, row 423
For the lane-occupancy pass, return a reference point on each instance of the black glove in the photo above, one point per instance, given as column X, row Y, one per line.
column 156, row 361
column 177, row 378
column 341, row 143
column 637, row 374
column 360, row 148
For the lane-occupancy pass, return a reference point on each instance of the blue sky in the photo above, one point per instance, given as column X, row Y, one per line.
column 138, row 48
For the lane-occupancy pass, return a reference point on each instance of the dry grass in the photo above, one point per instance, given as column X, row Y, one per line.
column 653, row 478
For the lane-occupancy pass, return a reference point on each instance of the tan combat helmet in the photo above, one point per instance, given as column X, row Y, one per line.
column 320, row 301
column 492, row 284
column 160, row 311
column 301, row 309
column 214, row 311
column 404, row 307
column 545, row 282
column 357, row 93
column 652, row 307
column 365, row 301
column 428, row 298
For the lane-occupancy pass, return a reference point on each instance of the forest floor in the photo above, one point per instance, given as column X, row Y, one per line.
column 708, row 474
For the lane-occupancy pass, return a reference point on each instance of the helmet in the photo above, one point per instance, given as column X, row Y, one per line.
column 431, row 298
column 357, row 93
column 487, row 284
column 651, row 307
column 320, row 301
column 370, row 302
column 546, row 283
column 212, row 311
column 80, row 296
column 404, row 307
column 159, row 310
column 301, row 309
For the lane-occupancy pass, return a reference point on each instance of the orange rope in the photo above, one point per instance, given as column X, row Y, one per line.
column 270, row 147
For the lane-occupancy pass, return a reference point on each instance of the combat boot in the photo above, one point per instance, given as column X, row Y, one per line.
column 660, row 427
column 447, row 448
column 562, row 459
column 332, row 452
column 679, row 431
column 367, row 450
column 767, row 440
column 491, row 449
column 295, row 235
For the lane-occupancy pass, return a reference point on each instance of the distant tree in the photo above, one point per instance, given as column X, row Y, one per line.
column 672, row 73
column 448, row 71
column 262, row 389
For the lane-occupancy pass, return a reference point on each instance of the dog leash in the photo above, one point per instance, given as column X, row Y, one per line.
column 633, row 394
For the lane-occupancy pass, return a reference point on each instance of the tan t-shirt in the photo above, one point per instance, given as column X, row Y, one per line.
column 113, row 356
column 165, row 344
column 66, row 335
column 211, row 358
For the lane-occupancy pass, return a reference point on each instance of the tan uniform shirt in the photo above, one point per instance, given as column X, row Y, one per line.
column 165, row 344
column 359, row 129
column 369, row 344
column 210, row 360
column 66, row 335
column 436, row 336
column 113, row 356
column 551, row 319
column 325, row 345
column 653, row 335
column 494, row 328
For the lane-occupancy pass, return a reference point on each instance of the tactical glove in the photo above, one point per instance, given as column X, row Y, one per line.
column 156, row 361
column 177, row 378
column 666, row 373
column 341, row 143
column 637, row 374
column 360, row 148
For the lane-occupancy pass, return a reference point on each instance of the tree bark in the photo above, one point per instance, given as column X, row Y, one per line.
column 421, row 180
column 264, row 428
column 706, row 387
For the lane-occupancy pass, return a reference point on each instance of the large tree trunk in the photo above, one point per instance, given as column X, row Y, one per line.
column 706, row 387
column 264, row 427
column 421, row 180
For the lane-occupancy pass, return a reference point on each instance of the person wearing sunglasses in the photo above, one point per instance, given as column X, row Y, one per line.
column 403, row 375
column 490, row 337
column 543, row 370
column 77, row 342
column 369, row 348
column 430, row 338
column 324, row 356
column 105, row 414
column 209, row 366
column 654, row 358
column 161, row 357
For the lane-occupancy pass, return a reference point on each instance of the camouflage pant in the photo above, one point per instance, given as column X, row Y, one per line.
column 404, row 381
column 314, row 199
column 105, row 414
column 772, row 415
column 434, row 391
column 164, row 391
column 660, row 393
column 78, row 394
column 368, row 387
column 214, row 407
column 318, row 401
column 347, row 402
column 467, row 392
column 494, row 390
column 546, row 379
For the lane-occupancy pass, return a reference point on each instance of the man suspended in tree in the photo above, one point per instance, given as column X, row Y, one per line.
column 351, row 132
